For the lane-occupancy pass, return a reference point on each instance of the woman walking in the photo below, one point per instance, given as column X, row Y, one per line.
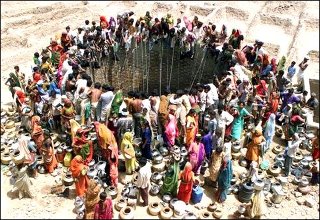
column 269, row 131
column 224, row 179
column 186, row 178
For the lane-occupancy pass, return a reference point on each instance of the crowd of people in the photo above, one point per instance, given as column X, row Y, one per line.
column 251, row 93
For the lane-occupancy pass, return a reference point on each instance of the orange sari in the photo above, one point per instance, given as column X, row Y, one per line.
column 37, row 132
column 185, row 189
column 77, row 169
column 50, row 160
column 253, row 146
column 191, row 131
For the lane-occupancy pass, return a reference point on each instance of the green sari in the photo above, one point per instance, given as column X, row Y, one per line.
column 116, row 103
column 170, row 183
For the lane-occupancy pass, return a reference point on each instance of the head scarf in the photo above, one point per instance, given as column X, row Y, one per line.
column 274, row 64
column 187, row 172
column 74, row 127
column 126, row 144
column 262, row 87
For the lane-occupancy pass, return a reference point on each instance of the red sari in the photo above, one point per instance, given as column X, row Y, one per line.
column 81, row 180
column 274, row 102
column 50, row 160
column 185, row 188
column 37, row 132
column 104, row 210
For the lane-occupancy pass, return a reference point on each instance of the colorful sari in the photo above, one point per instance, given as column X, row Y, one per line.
column 104, row 210
column 238, row 123
column 50, row 160
column 82, row 146
column 185, row 188
column 170, row 183
column 128, row 152
column 109, row 147
column 196, row 156
column 116, row 103
column 79, row 173
column 254, row 146
column 171, row 130
column 191, row 131
column 274, row 102
column 224, row 180
column 163, row 112
column 216, row 160
column 92, row 198
column 37, row 132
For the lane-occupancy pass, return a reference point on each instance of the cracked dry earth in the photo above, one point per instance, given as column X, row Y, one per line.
column 288, row 28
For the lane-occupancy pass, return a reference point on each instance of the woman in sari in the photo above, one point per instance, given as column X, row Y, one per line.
column 79, row 173
column 186, row 178
column 171, row 129
column 191, row 127
column 196, row 154
column 128, row 152
column 117, row 101
column 240, row 57
column 253, row 150
column 37, row 132
column 224, row 179
column 104, row 208
column 82, row 146
column 170, row 182
column 50, row 160
column 274, row 102
column 92, row 198
column 109, row 151
column 270, row 131
column 19, row 97
column 238, row 122
column 215, row 164
column 56, row 52
column 67, row 113
column 262, row 89
column 13, row 81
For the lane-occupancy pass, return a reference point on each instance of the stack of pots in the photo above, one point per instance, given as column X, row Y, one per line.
column 158, row 165
column 79, row 207
column 245, row 192
column 18, row 157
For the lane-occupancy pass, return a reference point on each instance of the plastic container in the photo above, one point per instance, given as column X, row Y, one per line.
column 197, row 193
column 67, row 159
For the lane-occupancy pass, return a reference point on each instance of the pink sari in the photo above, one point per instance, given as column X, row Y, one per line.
column 196, row 156
column 172, row 131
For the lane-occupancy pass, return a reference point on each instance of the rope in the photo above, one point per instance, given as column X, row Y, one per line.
column 171, row 66
column 198, row 69
column 160, row 67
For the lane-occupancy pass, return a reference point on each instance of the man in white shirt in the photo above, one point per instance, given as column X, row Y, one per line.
column 224, row 119
column 105, row 103
column 56, row 106
column 290, row 153
column 143, row 182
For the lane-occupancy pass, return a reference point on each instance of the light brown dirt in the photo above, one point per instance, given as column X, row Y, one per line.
column 288, row 28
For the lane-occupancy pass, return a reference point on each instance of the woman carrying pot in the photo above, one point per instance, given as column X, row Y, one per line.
column 224, row 179
column 79, row 173
column 82, row 146
column 104, row 208
column 186, row 178
column 50, row 161
column 128, row 152
column 37, row 132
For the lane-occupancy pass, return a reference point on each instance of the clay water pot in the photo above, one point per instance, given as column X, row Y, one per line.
column 217, row 213
column 212, row 207
column 126, row 213
column 179, row 209
column 298, row 157
column 205, row 215
column 68, row 179
column 304, row 182
column 277, row 149
column 242, row 208
column 279, row 132
column 18, row 157
column 274, row 170
column 258, row 184
column 120, row 204
column 5, row 158
column 154, row 208
column 113, row 192
column 189, row 215
column 166, row 213
column 158, row 167
column 236, row 147
column 10, row 124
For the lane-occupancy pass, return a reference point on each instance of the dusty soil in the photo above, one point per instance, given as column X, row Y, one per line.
column 288, row 28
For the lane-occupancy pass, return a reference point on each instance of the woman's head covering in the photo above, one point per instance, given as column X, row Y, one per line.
column 187, row 172
column 128, row 136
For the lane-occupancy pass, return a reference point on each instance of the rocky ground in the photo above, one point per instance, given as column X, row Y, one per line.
column 288, row 28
